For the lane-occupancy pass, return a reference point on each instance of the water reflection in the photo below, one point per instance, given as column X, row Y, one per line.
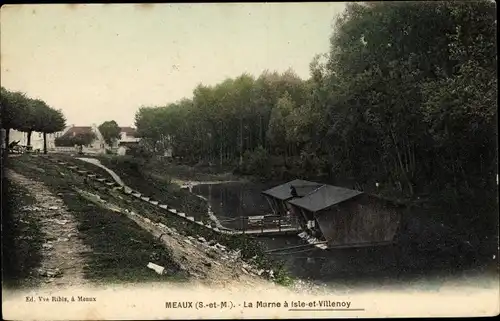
column 234, row 199
column 406, row 259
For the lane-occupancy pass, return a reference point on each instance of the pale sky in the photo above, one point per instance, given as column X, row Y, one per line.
column 103, row 62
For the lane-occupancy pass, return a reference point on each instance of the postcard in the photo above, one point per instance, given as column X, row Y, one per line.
column 249, row 160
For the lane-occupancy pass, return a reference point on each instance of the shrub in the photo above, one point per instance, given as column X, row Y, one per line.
column 256, row 162
column 140, row 152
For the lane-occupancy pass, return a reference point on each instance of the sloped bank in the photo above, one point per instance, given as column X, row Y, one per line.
column 131, row 173
column 249, row 249
column 119, row 248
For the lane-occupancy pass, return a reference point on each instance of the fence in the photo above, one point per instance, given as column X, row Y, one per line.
column 262, row 223
column 60, row 149
column 85, row 150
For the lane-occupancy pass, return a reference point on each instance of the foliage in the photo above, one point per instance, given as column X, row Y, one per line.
column 64, row 141
column 28, row 115
column 406, row 97
column 14, row 109
column 110, row 131
column 139, row 152
column 55, row 122
column 221, row 122
column 80, row 139
column 256, row 162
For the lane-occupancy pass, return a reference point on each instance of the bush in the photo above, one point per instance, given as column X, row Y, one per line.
column 128, row 162
column 64, row 141
column 256, row 162
column 140, row 152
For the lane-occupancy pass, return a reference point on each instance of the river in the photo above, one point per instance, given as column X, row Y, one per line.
column 406, row 261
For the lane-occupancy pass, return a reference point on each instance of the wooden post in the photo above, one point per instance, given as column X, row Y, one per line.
column 279, row 222
column 262, row 226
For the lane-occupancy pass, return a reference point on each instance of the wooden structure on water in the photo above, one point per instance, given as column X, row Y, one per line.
column 338, row 216
column 279, row 196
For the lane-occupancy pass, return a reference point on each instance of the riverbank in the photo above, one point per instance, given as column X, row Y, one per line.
column 472, row 215
column 111, row 225
column 429, row 245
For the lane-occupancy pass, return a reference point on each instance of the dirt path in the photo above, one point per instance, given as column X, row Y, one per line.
column 62, row 263
column 206, row 264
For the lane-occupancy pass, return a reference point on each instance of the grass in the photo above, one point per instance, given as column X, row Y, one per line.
column 156, row 186
column 21, row 239
column 182, row 171
column 120, row 248
column 250, row 248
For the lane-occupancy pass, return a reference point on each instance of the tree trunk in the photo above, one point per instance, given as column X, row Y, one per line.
column 402, row 167
column 7, row 138
column 220, row 141
column 260, row 132
column 29, row 139
column 45, row 143
column 241, row 141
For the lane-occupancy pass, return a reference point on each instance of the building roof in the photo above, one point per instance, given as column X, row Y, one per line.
column 324, row 197
column 130, row 131
column 302, row 187
column 75, row 130
column 128, row 144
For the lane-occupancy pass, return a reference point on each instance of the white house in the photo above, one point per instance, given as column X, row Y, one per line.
column 97, row 146
column 128, row 138
column 36, row 139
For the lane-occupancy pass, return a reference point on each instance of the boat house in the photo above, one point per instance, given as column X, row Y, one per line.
column 347, row 218
column 279, row 195
column 342, row 217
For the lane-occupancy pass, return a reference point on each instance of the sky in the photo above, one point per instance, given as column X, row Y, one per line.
column 100, row 62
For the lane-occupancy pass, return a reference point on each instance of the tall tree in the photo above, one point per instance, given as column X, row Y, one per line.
column 110, row 131
column 54, row 121
column 13, row 111
column 36, row 117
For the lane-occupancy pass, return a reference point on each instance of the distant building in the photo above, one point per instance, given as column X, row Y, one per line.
column 128, row 135
column 36, row 139
column 97, row 146
column 128, row 138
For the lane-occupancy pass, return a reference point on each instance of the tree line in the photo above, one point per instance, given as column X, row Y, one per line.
column 406, row 97
column 109, row 130
column 407, row 93
column 25, row 114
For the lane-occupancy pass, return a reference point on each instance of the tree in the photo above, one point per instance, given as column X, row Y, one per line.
column 279, row 130
column 54, row 121
column 13, row 111
column 80, row 140
column 384, row 74
column 83, row 139
column 110, row 131
column 36, row 117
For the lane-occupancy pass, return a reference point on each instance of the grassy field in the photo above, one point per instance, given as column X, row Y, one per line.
column 21, row 239
column 110, row 235
column 156, row 186
column 120, row 248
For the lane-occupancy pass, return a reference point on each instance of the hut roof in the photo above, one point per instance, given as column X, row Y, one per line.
column 302, row 187
column 324, row 197
column 78, row 130
column 130, row 131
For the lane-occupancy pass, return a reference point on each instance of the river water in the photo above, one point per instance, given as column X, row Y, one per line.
column 416, row 255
